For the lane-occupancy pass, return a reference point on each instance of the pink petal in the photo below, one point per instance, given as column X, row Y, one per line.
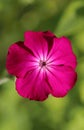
column 48, row 34
column 33, row 86
column 62, row 53
column 38, row 42
column 61, row 79
column 19, row 59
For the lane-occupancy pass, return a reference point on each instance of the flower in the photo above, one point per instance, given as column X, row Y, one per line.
column 43, row 64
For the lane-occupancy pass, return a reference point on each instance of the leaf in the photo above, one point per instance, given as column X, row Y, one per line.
column 28, row 8
column 72, row 20
column 81, row 91
column 79, row 41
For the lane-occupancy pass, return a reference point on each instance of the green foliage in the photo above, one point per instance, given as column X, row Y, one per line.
column 63, row 17
column 72, row 20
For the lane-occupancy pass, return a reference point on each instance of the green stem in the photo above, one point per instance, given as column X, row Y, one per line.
column 4, row 80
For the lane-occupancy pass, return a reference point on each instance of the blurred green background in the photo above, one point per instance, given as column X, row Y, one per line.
column 62, row 17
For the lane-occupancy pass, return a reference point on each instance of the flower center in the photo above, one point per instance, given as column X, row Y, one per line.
column 42, row 63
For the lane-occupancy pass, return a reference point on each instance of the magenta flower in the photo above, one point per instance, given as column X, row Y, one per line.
column 43, row 65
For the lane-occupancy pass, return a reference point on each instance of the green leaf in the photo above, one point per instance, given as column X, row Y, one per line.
column 72, row 20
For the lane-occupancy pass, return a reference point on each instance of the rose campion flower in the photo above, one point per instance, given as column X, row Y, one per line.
column 43, row 64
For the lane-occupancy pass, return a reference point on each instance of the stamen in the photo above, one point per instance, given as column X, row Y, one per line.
column 42, row 63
